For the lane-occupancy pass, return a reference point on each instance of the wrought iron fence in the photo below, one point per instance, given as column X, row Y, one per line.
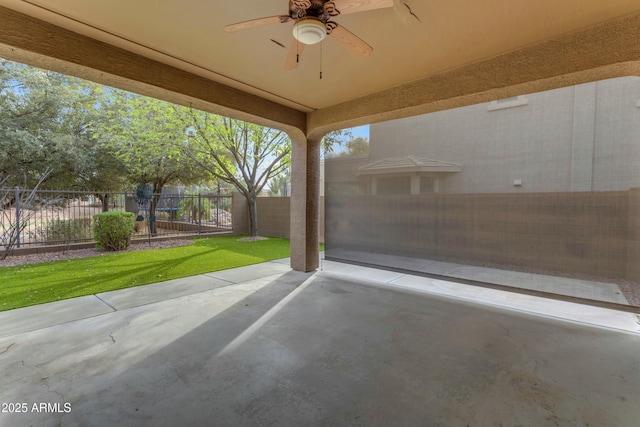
column 62, row 217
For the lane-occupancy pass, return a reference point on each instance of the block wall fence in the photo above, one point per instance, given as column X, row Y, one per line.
column 273, row 216
column 591, row 233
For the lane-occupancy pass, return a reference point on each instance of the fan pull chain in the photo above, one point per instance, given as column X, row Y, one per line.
column 297, row 47
column 321, row 44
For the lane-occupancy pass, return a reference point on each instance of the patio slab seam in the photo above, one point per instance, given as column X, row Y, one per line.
column 42, row 316
column 31, row 318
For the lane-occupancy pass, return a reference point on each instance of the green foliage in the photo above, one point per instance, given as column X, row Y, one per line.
column 162, row 216
column 101, row 139
column 45, row 122
column 243, row 154
column 335, row 139
column 278, row 184
column 196, row 209
column 356, row 146
column 239, row 153
column 67, row 230
column 146, row 135
column 52, row 281
column 113, row 230
column 246, row 155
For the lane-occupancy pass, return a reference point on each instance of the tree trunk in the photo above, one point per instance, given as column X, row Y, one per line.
column 153, row 228
column 157, row 191
column 253, row 215
column 104, row 198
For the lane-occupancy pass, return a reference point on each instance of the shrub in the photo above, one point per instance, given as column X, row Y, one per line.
column 139, row 224
column 162, row 216
column 67, row 230
column 113, row 230
column 196, row 209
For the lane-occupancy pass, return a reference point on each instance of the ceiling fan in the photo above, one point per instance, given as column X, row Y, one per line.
column 312, row 23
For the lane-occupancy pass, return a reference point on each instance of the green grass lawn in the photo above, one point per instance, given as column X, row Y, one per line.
column 25, row 285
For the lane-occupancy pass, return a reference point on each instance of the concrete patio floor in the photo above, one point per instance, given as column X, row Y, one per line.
column 263, row 345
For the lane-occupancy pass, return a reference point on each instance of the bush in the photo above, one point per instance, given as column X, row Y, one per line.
column 113, row 230
column 67, row 230
column 196, row 209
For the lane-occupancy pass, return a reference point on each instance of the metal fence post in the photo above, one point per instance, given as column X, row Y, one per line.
column 199, row 212
column 18, row 217
column 218, row 210
column 218, row 206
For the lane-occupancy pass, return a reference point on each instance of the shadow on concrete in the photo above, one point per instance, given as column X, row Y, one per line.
column 322, row 351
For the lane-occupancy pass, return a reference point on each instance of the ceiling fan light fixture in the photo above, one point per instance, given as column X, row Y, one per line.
column 309, row 31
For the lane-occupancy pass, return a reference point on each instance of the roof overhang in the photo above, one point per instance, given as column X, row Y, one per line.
column 498, row 52
column 407, row 165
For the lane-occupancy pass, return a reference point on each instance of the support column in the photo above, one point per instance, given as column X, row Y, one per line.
column 305, row 203
column 415, row 184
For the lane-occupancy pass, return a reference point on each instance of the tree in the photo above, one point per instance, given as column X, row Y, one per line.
column 278, row 186
column 102, row 171
column 246, row 155
column 145, row 135
column 335, row 139
column 45, row 119
column 29, row 108
column 356, row 146
column 240, row 153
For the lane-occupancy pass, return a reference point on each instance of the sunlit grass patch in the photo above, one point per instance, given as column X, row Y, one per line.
column 32, row 284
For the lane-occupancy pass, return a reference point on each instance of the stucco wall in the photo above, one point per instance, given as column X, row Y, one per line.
column 581, row 138
column 273, row 216
column 239, row 214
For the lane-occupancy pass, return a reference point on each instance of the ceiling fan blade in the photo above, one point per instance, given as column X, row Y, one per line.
column 294, row 54
column 350, row 41
column 352, row 6
column 280, row 19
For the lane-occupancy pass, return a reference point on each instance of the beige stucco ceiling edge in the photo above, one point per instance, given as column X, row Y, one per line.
column 609, row 50
column 38, row 43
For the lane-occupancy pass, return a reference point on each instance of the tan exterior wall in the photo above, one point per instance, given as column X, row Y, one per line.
column 581, row 138
column 239, row 214
column 577, row 232
column 273, row 216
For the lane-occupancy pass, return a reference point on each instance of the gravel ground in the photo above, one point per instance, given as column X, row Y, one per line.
column 631, row 290
column 83, row 253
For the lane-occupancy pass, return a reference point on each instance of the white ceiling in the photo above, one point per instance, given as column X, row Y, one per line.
column 440, row 35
